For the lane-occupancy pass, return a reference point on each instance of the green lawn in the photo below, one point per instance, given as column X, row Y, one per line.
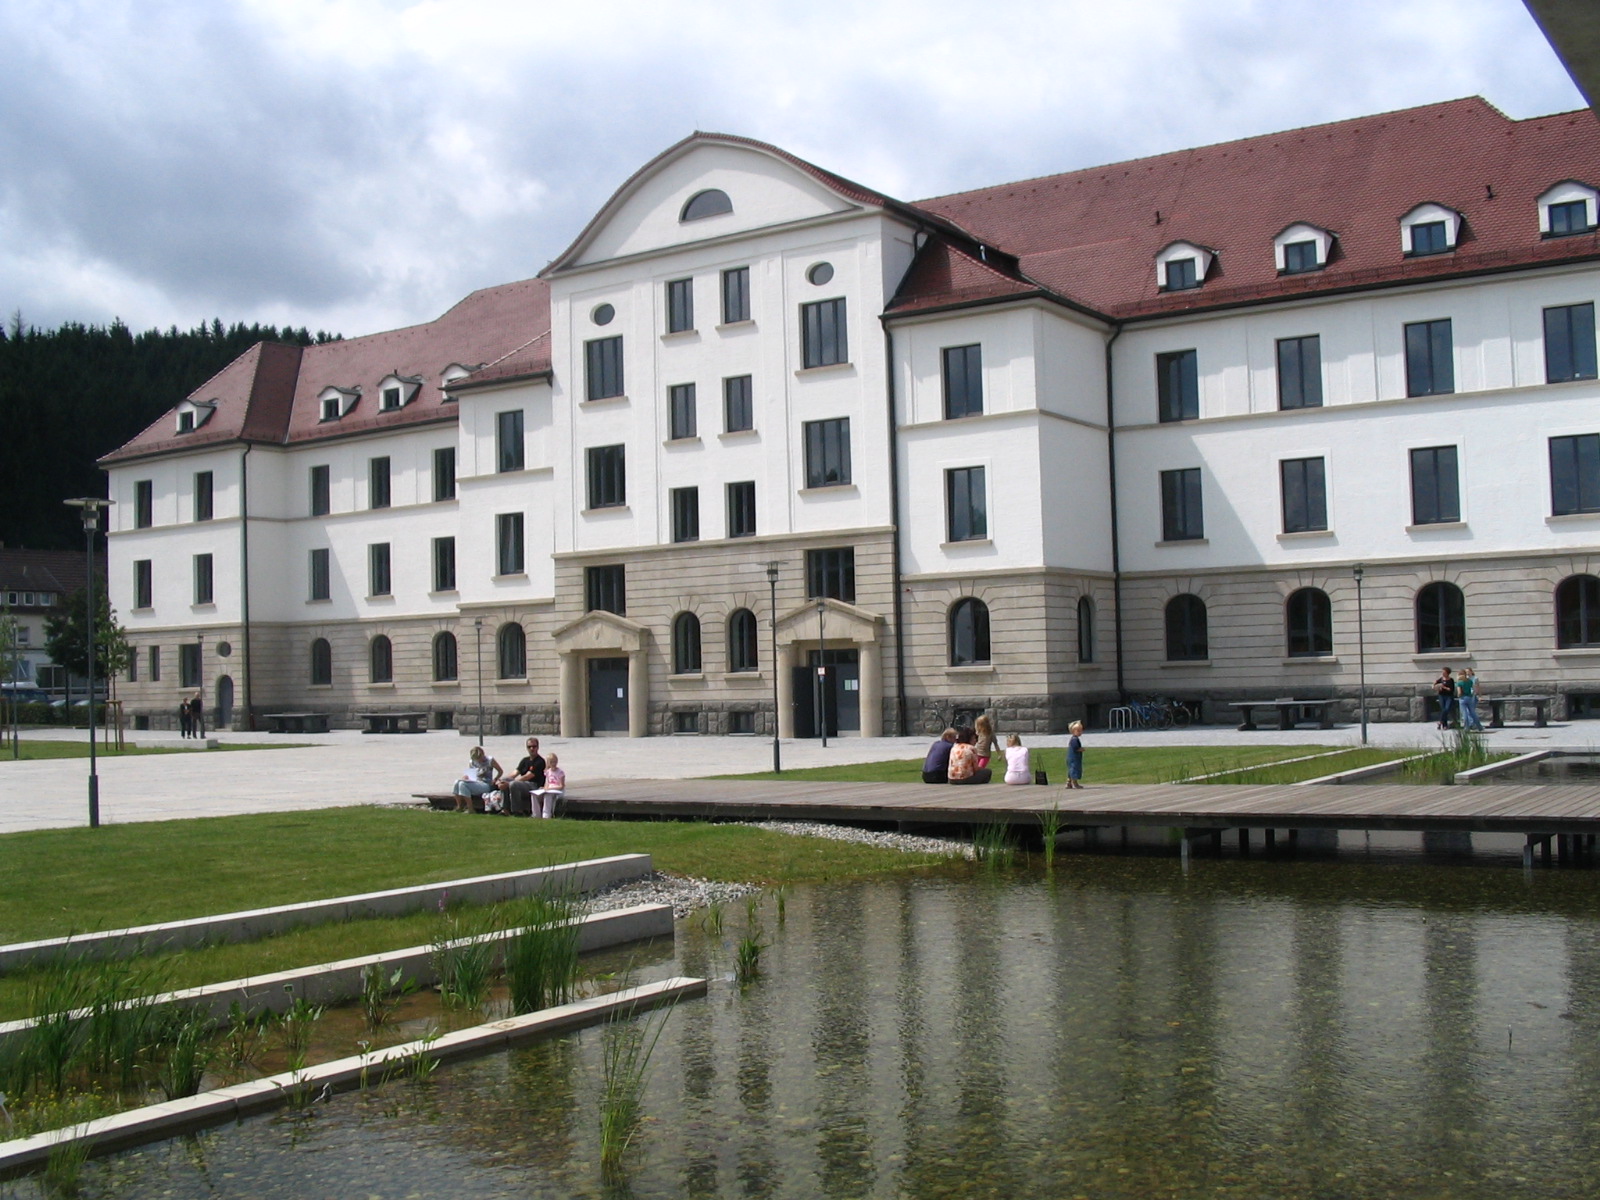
column 1315, row 768
column 34, row 750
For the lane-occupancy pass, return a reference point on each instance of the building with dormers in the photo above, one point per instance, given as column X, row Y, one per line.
column 1028, row 449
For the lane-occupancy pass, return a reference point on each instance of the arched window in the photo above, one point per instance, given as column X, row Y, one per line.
column 685, row 644
column 1309, row 616
column 511, row 651
column 1441, row 618
column 321, row 662
column 444, row 657
column 380, row 660
column 712, row 202
column 1186, row 630
column 1085, row 629
column 742, row 655
column 969, row 632
column 1578, row 612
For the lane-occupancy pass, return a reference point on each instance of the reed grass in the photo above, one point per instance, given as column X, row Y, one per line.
column 1459, row 750
column 296, row 1026
column 464, row 965
column 992, row 845
column 382, row 992
column 191, row 1050
column 627, row 1044
column 747, row 958
column 1049, row 830
column 542, row 959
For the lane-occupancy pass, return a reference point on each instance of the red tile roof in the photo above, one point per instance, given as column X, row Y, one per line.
column 60, row 571
column 1092, row 236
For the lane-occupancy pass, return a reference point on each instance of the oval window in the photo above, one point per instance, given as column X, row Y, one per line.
column 820, row 274
column 603, row 314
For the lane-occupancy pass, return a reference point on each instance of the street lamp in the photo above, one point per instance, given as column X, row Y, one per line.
column 772, row 620
column 477, row 628
column 89, row 508
column 822, row 676
column 1361, row 649
column 200, row 685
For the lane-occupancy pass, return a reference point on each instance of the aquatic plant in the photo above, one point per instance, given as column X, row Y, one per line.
column 420, row 1065
column 246, row 1035
column 626, row 1046
column 55, row 998
column 190, row 1052
column 296, row 1025
column 991, row 843
column 747, row 958
column 1049, row 830
column 381, row 993
column 463, row 963
column 713, row 919
column 781, row 895
column 542, row 959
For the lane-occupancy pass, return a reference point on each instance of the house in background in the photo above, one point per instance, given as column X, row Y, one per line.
column 765, row 448
column 34, row 586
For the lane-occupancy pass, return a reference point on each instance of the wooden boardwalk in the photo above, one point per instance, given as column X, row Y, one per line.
column 1536, row 810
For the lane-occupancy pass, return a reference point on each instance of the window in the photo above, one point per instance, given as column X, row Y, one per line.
column 823, row 341
column 1435, row 490
column 963, row 381
column 133, row 657
column 186, row 421
column 681, row 421
column 1571, row 216
column 203, row 480
column 1299, row 257
column 332, row 408
column 155, row 664
column 320, row 663
column 680, row 305
column 966, row 514
column 1305, row 495
column 1575, row 474
column 1300, row 372
column 602, row 365
column 1085, row 629
column 607, row 477
column 685, row 644
column 1578, row 612
column 605, row 589
column 742, row 634
column 1441, row 618
column 508, row 558
column 189, row 665
column 143, row 584
column 444, row 473
column 1182, row 519
column 1430, row 369
column 320, row 579
column 444, row 657
column 1430, row 237
column 204, row 581
column 831, row 574
column 1178, row 385
column 685, row 503
column 1187, row 639
column 511, row 652
column 742, row 509
column 378, row 482
column 1569, row 343
column 143, row 504
column 389, row 400
column 827, row 452
column 735, row 295
column 738, row 404
column 1182, row 274
column 969, row 632
column 380, row 660
column 444, row 564
column 1309, row 616
column 712, row 202
column 508, row 441
column 320, row 506
column 378, row 581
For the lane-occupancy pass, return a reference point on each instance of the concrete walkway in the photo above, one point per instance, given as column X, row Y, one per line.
column 347, row 767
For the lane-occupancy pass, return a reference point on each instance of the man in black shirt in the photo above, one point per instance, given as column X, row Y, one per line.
column 520, row 785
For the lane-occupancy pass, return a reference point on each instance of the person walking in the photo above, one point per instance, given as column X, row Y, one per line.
column 197, row 716
column 1444, row 688
column 1467, row 698
column 185, row 719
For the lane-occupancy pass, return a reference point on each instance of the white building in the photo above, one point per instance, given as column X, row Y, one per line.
column 1127, row 429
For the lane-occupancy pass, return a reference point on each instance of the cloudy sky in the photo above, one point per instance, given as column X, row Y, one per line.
column 354, row 165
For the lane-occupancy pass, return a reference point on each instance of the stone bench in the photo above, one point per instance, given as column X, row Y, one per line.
column 1289, row 712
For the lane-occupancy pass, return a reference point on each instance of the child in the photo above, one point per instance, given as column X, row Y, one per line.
column 555, row 786
column 1018, row 768
column 1075, row 755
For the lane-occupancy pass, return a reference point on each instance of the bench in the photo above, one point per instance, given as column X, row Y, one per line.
column 1497, row 706
column 414, row 722
column 1290, row 712
column 446, row 802
column 303, row 722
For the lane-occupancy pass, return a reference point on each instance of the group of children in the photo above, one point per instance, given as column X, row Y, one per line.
column 961, row 756
column 532, row 790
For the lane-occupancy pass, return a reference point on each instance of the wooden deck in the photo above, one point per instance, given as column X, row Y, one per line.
column 1537, row 810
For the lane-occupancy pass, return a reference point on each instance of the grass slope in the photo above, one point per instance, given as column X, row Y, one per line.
column 36, row 750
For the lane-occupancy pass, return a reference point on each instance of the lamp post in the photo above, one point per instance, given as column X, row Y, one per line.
column 477, row 629
column 822, row 676
column 1361, row 649
column 90, row 507
column 772, row 621
column 200, row 685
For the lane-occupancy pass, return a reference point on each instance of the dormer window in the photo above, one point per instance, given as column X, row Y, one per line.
column 1183, row 266
column 1301, row 247
column 395, row 391
column 391, row 398
column 713, row 202
column 192, row 414
column 1429, row 229
column 1567, row 209
column 452, row 373
column 334, row 402
column 186, row 422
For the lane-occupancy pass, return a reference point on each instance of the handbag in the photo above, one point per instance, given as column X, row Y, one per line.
column 1040, row 779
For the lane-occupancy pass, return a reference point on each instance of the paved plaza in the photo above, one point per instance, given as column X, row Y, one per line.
column 347, row 767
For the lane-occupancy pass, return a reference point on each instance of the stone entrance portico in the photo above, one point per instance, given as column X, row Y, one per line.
column 842, row 627
column 602, row 635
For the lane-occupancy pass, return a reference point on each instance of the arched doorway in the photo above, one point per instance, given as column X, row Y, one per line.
column 222, row 710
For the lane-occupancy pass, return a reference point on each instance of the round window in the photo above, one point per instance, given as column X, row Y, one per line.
column 224, row 649
column 820, row 274
column 603, row 314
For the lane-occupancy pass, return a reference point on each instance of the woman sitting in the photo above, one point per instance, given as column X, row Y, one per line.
column 1018, row 769
column 477, row 780
column 964, row 766
column 936, row 767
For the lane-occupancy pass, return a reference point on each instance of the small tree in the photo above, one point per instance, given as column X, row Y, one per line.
column 66, row 637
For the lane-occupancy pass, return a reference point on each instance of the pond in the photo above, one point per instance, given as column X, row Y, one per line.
column 1558, row 768
column 1119, row 1028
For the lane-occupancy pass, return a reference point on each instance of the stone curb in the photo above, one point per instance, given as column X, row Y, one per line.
column 1495, row 768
